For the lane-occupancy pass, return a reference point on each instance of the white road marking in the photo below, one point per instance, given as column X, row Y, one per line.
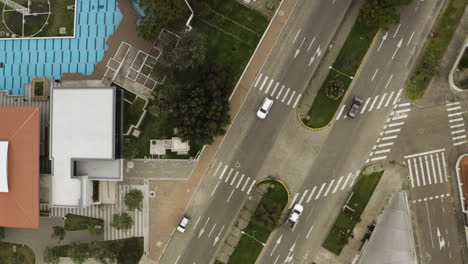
column 427, row 170
column 245, row 184
column 276, row 260
column 214, row 189
column 385, row 145
column 445, row 166
column 375, row 73
column 458, row 131
column 388, row 82
column 285, row 95
column 320, row 191
column 279, row 93
column 455, row 114
column 310, row 230
column 433, row 169
column 454, row 103
column 458, row 125
column 329, row 187
column 430, row 228
column 229, row 175
column 217, row 169
column 404, row 105
column 297, row 100
column 209, row 235
column 373, row 103
column 177, row 260
column 234, row 178
column 229, row 198
column 240, row 180
column 346, row 181
column 269, row 86
column 456, row 120
column 290, row 98
column 310, row 45
column 382, row 151
column 397, row 97
column 397, row 48
column 258, row 80
column 392, row 131
column 454, row 108
column 399, row 25
column 378, row 158
column 274, row 89
column 311, row 194
column 251, row 185
column 398, row 112
column 399, row 117
column 341, row 112
column 423, row 153
column 263, row 83
column 459, row 137
column 337, row 184
column 396, row 124
column 460, row 143
column 389, row 137
column 411, row 37
column 365, row 105
column 416, row 170
column 295, row 37
column 294, row 200
column 196, row 223
column 389, row 99
column 381, row 100
column 222, row 173
column 422, row 171
column 411, row 174
column 303, row 196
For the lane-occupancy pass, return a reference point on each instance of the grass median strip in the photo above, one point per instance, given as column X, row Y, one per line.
column 265, row 219
column 338, row 236
column 435, row 48
column 79, row 222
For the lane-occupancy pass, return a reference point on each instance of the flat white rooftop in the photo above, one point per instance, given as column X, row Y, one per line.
column 82, row 127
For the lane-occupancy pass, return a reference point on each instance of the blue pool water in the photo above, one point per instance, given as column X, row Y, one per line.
column 26, row 59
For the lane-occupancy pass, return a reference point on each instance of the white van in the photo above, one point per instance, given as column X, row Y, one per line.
column 183, row 224
column 264, row 108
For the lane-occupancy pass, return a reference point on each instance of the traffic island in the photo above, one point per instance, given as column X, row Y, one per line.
column 257, row 219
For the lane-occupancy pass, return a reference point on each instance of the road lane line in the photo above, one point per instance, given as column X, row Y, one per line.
column 458, row 125
column 310, row 45
column 397, row 97
column 365, row 105
column 209, row 235
column 439, row 168
column 263, row 83
column 422, row 171
column 399, row 25
column 381, row 100
column 427, row 170
column 214, row 189
column 240, row 180
column 389, row 99
column 290, row 98
column 346, row 181
column 177, row 260
column 303, row 196
column 424, row 153
column 269, row 86
column 229, row 198
column 276, row 260
column 382, row 151
column 455, row 114
column 385, row 144
column 460, row 143
column 245, row 184
column 375, row 73
column 341, row 111
column 310, row 230
column 445, row 166
column 222, row 173
column 454, row 103
column 416, row 170
column 337, row 184
column 459, row 137
column 285, row 95
column 234, row 178
column 378, row 158
column 274, row 89
column 297, row 34
column 294, row 200
column 297, row 100
column 458, row 131
column 373, row 103
column 320, row 191
column 392, row 131
column 258, row 80
column 329, row 187
column 251, row 185
column 411, row 174
column 456, row 120
column 217, row 169
column 412, row 34
column 311, row 194
column 280, row 91
column 196, row 223
column 229, row 175
column 430, row 228
column 453, row 108
column 433, row 169
column 388, row 82
column 396, row 124
column 389, row 137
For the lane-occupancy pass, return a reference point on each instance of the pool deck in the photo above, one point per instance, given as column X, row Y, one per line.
column 126, row 31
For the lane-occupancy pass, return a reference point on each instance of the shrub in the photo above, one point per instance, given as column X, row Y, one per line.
column 334, row 90
column 134, row 199
column 122, row 221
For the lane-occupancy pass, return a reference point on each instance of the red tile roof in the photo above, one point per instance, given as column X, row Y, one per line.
column 20, row 127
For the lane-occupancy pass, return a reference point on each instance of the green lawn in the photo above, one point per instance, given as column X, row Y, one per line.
column 257, row 232
column 338, row 236
column 435, row 49
column 463, row 64
column 348, row 61
column 133, row 112
column 6, row 250
column 78, row 222
column 129, row 251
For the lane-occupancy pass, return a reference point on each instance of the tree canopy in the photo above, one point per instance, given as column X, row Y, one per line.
column 381, row 13
column 122, row 221
column 160, row 14
column 134, row 199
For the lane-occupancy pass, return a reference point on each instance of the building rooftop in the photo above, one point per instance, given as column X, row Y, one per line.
column 19, row 199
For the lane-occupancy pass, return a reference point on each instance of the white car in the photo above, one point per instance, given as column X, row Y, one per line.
column 183, row 224
column 294, row 215
column 264, row 108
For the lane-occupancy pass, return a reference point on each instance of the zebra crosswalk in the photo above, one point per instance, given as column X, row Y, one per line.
column 457, row 123
column 232, row 177
column 427, row 168
column 277, row 91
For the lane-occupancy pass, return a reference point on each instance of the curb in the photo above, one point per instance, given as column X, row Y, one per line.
column 454, row 67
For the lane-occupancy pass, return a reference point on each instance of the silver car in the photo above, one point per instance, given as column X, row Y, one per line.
column 353, row 110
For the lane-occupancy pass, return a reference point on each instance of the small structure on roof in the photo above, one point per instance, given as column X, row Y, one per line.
column 175, row 144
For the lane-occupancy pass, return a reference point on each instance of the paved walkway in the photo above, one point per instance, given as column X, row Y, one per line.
column 158, row 169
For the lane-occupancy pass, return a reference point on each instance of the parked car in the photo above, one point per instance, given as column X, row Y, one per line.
column 294, row 215
column 353, row 110
column 264, row 108
column 183, row 224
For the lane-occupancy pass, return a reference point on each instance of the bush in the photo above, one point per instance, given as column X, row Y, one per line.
column 59, row 233
column 335, row 90
column 78, row 253
column 134, row 199
column 51, row 256
column 122, row 221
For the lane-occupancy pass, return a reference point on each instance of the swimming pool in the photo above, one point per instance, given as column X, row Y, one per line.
column 25, row 59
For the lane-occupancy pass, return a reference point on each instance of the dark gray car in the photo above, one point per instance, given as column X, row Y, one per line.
column 353, row 110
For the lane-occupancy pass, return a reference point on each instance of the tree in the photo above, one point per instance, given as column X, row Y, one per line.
column 95, row 227
column 59, row 233
column 161, row 14
column 381, row 13
column 188, row 54
column 334, row 90
column 102, row 254
column 122, row 221
column 130, row 150
column 134, row 199
column 51, row 256
column 77, row 253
